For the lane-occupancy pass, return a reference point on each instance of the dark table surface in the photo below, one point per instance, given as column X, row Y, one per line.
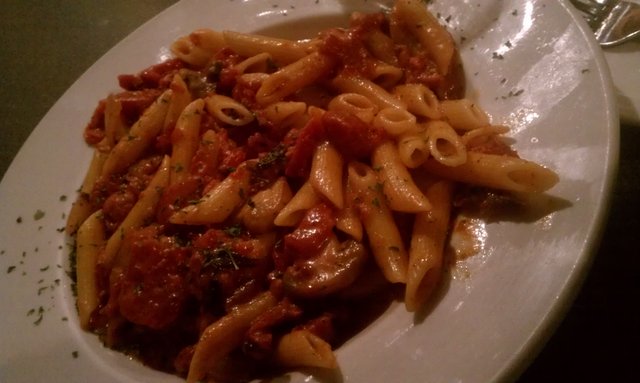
column 47, row 45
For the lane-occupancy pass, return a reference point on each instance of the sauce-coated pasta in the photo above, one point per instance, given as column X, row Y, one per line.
column 251, row 197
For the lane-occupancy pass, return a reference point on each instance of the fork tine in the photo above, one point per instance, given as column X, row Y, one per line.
column 590, row 7
column 594, row 11
column 621, row 24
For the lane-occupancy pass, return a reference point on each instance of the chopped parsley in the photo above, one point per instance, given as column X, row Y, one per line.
column 38, row 215
column 223, row 258
column 276, row 155
column 234, row 231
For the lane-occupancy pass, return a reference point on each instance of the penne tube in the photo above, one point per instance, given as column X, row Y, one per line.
column 229, row 111
column 463, row 114
column 356, row 104
column 185, row 138
column 218, row 203
column 89, row 242
column 81, row 208
column 428, row 238
column 445, row 145
column 348, row 221
column 398, row 187
column 498, row 172
column 420, row 100
column 293, row 77
column 283, row 114
column 180, row 98
column 367, row 88
column 259, row 213
column 143, row 210
column 395, row 121
column 381, row 46
column 199, row 47
column 479, row 135
column 302, row 348
column 300, row 183
column 428, row 31
column 259, row 63
column 282, row 51
column 304, row 199
column 413, row 149
column 385, row 75
column 326, row 174
column 224, row 335
column 141, row 136
column 114, row 127
column 384, row 237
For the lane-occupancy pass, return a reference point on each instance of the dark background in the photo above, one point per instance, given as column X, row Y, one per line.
column 598, row 340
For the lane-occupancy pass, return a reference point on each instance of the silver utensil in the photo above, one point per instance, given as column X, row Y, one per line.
column 613, row 21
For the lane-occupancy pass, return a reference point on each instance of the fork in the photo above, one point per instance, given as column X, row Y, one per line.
column 612, row 21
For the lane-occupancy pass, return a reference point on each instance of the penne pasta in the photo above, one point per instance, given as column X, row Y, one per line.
column 347, row 220
column 142, row 133
column 282, row 51
column 81, row 208
column 381, row 47
column 396, row 182
column 258, row 63
column 301, row 183
column 413, row 149
column 386, row 75
column 326, row 174
column 497, row 171
column 463, row 114
column 284, row 114
column 420, row 100
column 228, row 111
column 367, row 88
column 395, row 121
column 445, row 145
column 185, row 137
column 180, row 98
column 301, row 348
column 427, row 245
column 143, row 209
column 304, row 199
column 114, row 127
column 198, row 48
column 293, row 77
column 260, row 211
column 218, row 204
column 426, row 28
column 355, row 104
column 89, row 242
column 222, row 336
column 383, row 234
column 482, row 134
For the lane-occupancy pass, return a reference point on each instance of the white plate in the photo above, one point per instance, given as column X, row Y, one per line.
column 484, row 327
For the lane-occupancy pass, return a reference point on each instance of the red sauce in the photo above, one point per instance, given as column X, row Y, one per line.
column 154, row 289
column 312, row 232
column 175, row 280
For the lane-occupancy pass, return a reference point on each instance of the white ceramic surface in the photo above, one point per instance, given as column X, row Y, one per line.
column 483, row 327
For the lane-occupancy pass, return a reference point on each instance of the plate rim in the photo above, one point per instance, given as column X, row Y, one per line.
column 565, row 299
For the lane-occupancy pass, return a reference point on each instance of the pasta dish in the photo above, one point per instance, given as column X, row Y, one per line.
column 253, row 200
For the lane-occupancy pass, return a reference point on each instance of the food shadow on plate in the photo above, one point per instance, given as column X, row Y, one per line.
column 498, row 206
column 488, row 206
